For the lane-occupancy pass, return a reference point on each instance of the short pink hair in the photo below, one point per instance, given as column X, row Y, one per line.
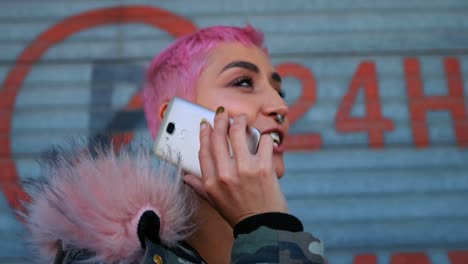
column 175, row 71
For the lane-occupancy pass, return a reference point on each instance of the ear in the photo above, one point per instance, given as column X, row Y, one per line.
column 162, row 109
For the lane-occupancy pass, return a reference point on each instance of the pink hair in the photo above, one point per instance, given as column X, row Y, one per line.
column 174, row 72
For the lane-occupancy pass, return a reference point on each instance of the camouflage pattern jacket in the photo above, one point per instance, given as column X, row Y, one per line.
column 258, row 240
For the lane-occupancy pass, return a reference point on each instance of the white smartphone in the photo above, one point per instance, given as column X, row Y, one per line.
column 178, row 139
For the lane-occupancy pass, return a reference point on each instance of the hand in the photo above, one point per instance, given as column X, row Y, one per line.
column 238, row 186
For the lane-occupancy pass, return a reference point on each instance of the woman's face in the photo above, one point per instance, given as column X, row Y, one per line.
column 243, row 81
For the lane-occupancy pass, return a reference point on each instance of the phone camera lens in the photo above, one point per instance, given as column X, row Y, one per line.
column 170, row 128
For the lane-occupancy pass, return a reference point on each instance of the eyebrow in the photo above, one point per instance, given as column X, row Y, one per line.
column 251, row 67
column 242, row 64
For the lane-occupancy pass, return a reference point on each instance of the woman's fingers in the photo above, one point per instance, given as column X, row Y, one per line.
column 214, row 149
column 219, row 141
column 238, row 137
column 239, row 187
column 205, row 156
column 265, row 153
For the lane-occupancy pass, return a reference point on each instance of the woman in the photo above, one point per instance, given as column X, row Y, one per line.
column 242, row 215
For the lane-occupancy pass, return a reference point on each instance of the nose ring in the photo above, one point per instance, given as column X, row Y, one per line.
column 279, row 118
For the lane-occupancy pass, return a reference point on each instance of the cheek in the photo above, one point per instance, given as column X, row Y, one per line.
column 208, row 100
column 241, row 107
column 234, row 106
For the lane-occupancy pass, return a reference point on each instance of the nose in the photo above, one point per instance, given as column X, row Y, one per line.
column 274, row 104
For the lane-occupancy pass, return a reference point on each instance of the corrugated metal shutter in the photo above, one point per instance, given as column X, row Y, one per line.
column 408, row 195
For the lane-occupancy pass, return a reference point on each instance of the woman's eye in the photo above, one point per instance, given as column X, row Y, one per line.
column 243, row 82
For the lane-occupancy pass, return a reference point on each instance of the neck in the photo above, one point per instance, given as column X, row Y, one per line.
column 213, row 239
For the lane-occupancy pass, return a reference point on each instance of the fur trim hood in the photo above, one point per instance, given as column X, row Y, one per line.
column 94, row 199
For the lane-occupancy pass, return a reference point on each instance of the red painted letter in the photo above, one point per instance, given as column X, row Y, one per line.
column 365, row 259
column 458, row 257
column 419, row 104
column 310, row 141
column 374, row 123
column 410, row 258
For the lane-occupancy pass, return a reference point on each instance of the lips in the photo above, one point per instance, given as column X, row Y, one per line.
column 277, row 135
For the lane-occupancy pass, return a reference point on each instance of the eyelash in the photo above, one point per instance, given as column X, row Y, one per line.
column 243, row 79
column 239, row 82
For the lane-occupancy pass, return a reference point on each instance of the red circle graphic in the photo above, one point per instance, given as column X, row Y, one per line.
column 175, row 25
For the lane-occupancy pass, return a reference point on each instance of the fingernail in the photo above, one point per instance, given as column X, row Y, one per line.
column 202, row 125
column 220, row 110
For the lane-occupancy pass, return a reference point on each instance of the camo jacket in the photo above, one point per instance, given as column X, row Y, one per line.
column 262, row 245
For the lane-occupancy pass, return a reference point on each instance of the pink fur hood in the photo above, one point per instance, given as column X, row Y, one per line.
column 94, row 200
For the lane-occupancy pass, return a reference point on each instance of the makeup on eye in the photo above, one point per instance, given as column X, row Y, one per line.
column 276, row 77
column 247, row 81
column 243, row 81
